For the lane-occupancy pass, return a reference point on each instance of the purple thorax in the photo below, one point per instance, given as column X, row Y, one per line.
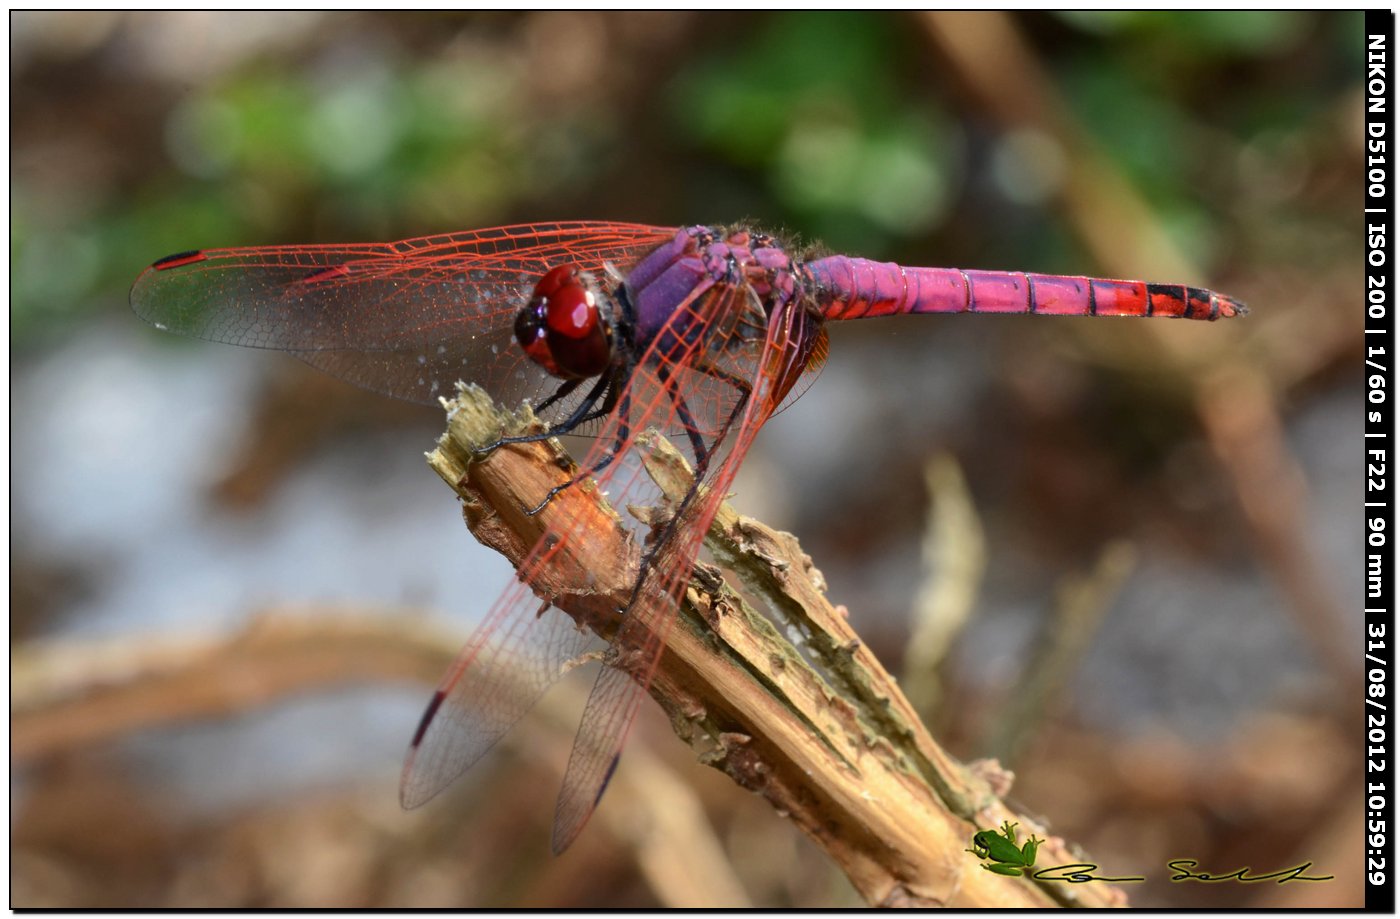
column 699, row 258
column 667, row 278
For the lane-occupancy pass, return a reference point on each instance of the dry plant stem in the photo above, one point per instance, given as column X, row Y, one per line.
column 1233, row 398
column 1080, row 606
column 955, row 558
column 667, row 827
column 843, row 755
column 1246, row 434
column 66, row 695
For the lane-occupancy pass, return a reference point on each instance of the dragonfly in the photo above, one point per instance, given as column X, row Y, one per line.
column 608, row 329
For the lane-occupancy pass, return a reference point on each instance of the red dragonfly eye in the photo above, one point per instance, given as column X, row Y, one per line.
column 561, row 328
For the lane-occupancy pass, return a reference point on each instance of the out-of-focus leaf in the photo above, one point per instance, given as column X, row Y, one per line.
column 811, row 103
column 1203, row 33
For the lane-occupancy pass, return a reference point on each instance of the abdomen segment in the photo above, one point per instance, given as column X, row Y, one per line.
column 855, row 288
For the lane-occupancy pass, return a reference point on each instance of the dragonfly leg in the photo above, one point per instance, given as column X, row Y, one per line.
column 702, row 463
column 564, row 389
column 585, row 411
column 702, row 455
column 623, row 431
column 697, row 442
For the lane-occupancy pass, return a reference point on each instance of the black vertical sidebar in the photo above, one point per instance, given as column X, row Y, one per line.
column 1380, row 461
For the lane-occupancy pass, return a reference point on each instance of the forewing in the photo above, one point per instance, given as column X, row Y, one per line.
column 407, row 319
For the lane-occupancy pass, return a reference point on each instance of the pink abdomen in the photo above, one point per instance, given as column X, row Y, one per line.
column 855, row 288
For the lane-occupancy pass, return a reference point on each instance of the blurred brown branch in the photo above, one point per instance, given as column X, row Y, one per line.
column 840, row 752
column 1080, row 605
column 67, row 695
column 955, row 558
column 1235, row 402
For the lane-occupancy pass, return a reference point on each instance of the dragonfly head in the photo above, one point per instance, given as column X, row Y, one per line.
column 561, row 328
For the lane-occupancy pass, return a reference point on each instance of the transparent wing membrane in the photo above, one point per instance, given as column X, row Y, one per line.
column 407, row 319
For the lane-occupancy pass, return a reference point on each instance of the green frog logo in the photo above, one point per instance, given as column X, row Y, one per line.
column 1000, row 850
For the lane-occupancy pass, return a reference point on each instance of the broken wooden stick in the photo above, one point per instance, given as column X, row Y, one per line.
column 822, row 732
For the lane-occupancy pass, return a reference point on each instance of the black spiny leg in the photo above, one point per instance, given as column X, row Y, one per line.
column 583, row 412
column 692, row 431
column 703, row 455
column 701, row 464
column 697, row 443
column 615, row 385
column 564, row 389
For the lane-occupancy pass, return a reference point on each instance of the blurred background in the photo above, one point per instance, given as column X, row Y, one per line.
column 1130, row 550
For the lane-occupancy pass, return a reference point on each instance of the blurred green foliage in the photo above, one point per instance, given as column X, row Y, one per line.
column 839, row 141
column 838, row 126
column 1199, row 34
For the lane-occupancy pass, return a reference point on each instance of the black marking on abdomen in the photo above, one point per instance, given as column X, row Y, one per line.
column 1171, row 291
column 1199, row 301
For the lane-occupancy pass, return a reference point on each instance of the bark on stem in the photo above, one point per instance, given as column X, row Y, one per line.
column 833, row 745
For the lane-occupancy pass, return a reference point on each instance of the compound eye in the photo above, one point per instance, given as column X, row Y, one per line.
column 571, row 311
column 533, row 334
column 561, row 328
column 555, row 278
column 529, row 325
